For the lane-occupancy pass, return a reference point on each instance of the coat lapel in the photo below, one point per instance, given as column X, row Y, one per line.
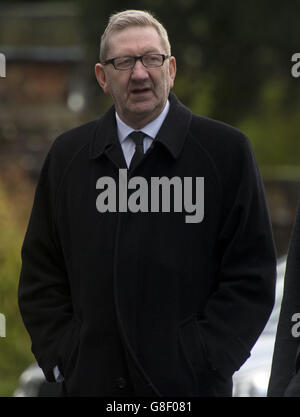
column 171, row 135
column 173, row 132
column 105, row 140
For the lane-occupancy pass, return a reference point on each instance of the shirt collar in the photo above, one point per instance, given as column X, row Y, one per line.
column 171, row 135
column 150, row 129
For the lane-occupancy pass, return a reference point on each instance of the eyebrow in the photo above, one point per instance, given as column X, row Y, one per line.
column 148, row 51
column 152, row 51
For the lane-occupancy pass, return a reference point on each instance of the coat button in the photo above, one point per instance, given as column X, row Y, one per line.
column 121, row 382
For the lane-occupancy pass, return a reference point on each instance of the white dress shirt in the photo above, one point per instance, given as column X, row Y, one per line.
column 150, row 130
column 128, row 147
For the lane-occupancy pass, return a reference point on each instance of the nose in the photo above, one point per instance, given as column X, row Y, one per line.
column 139, row 72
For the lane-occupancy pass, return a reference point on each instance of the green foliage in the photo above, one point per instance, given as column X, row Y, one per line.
column 15, row 352
column 233, row 62
column 273, row 127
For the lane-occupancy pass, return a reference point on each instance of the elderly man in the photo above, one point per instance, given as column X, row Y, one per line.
column 148, row 264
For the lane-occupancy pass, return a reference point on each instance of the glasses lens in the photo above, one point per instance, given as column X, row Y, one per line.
column 125, row 62
column 153, row 60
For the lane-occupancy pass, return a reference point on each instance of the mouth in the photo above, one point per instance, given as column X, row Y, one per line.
column 140, row 91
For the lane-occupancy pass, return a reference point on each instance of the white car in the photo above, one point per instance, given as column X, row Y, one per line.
column 252, row 379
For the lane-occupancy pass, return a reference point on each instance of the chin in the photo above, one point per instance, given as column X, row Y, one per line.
column 142, row 108
column 143, row 112
column 147, row 105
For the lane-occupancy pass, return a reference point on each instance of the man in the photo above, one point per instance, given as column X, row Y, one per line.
column 148, row 264
column 285, row 375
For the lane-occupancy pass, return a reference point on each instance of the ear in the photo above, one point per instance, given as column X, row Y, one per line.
column 172, row 70
column 101, row 77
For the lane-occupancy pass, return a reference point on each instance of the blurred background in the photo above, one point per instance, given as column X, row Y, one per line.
column 234, row 64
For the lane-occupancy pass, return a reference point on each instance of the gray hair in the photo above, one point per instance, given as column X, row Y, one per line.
column 122, row 20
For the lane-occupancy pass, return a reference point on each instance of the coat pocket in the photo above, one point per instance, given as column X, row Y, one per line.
column 69, row 348
column 194, row 352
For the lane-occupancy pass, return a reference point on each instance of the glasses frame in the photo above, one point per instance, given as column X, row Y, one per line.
column 136, row 58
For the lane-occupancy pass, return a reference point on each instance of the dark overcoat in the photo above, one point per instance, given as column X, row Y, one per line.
column 285, row 372
column 186, row 301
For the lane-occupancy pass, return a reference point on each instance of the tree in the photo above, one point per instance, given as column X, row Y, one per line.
column 226, row 51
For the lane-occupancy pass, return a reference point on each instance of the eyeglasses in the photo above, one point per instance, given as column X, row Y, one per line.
column 128, row 62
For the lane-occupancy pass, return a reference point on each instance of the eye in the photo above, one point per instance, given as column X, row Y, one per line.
column 124, row 62
column 152, row 59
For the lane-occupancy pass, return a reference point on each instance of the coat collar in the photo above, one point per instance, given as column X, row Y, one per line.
column 171, row 135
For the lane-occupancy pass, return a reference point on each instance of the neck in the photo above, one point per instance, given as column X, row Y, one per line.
column 137, row 122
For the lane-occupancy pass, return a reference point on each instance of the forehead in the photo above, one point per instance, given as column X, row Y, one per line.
column 134, row 40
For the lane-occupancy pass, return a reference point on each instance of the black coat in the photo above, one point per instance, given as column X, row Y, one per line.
column 285, row 372
column 187, row 301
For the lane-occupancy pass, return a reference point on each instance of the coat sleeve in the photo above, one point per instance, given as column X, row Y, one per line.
column 243, row 297
column 285, row 378
column 44, row 293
